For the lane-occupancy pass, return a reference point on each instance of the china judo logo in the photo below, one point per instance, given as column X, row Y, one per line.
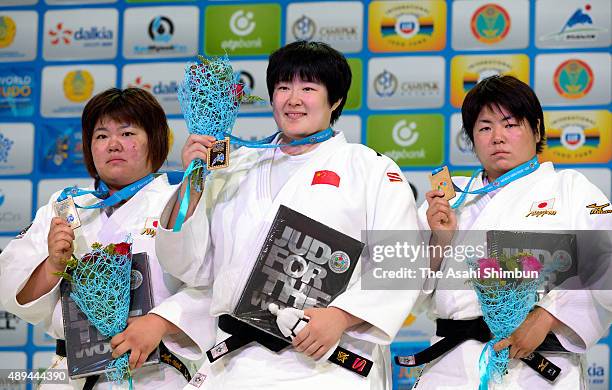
column 78, row 86
column 490, row 23
column 7, row 31
column 573, row 79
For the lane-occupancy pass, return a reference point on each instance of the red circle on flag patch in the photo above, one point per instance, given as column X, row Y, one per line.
column 155, row 224
column 542, row 205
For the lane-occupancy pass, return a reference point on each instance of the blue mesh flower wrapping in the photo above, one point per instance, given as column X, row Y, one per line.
column 101, row 289
column 505, row 304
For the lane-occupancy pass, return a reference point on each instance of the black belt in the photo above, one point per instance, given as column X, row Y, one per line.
column 456, row 332
column 243, row 333
column 165, row 356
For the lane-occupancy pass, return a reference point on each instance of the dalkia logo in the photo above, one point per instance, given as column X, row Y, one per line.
column 490, row 23
column 140, row 83
column 78, row 86
column 304, row 28
column 60, row 34
column 596, row 373
column 573, row 79
column 578, row 27
column 5, row 147
column 385, row 84
column 7, row 31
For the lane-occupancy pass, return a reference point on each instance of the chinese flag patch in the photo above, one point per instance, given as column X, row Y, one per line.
column 326, row 177
column 394, row 177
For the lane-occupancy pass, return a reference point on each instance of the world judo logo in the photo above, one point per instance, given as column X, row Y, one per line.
column 5, row 147
column 490, row 23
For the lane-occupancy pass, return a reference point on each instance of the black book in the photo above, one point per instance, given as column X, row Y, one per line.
column 87, row 350
column 302, row 264
column 560, row 248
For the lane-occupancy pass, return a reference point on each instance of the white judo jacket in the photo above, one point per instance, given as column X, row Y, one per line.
column 218, row 245
column 566, row 193
column 138, row 217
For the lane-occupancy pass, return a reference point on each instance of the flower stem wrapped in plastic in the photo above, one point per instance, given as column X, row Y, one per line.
column 101, row 289
column 507, row 291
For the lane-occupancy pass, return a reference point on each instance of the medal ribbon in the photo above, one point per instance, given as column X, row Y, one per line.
column 505, row 179
column 102, row 191
column 315, row 138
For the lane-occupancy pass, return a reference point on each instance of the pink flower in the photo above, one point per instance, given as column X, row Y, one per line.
column 530, row 263
column 488, row 263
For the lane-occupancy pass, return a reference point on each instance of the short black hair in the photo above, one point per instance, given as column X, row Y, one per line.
column 312, row 62
column 134, row 106
column 506, row 92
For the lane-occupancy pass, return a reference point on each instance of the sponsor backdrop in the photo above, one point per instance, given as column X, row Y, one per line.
column 412, row 61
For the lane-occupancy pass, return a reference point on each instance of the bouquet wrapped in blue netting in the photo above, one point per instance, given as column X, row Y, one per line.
column 101, row 289
column 210, row 96
column 507, row 291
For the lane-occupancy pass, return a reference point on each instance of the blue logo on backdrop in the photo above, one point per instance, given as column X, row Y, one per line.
column 16, row 91
column 64, row 149
column 5, row 147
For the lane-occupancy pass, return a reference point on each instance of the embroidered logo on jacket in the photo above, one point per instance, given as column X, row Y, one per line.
column 394, row 177
column 197, row 380
column 595, row 209
column 23, row 232
column 542, row 208
column 326, row 177
column 150, row 227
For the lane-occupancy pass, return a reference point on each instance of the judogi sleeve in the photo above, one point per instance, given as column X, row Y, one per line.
column 188, row 309
column 583, row 310
column 17, row 263
column 184, row 254
column 389, row 205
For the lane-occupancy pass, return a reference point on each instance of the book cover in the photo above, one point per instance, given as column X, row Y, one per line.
column 88, row 352
column 302, row 263
column 548, row 248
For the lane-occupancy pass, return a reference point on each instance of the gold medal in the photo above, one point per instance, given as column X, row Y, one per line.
column 218, row 155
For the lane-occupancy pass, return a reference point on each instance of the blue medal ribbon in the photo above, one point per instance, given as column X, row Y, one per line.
column 505, row 179
column 315, row 138
column 102, row 192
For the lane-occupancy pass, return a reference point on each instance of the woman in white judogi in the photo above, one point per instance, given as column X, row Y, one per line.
column 503, row 118
column 345, row 186
column 125, row 138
